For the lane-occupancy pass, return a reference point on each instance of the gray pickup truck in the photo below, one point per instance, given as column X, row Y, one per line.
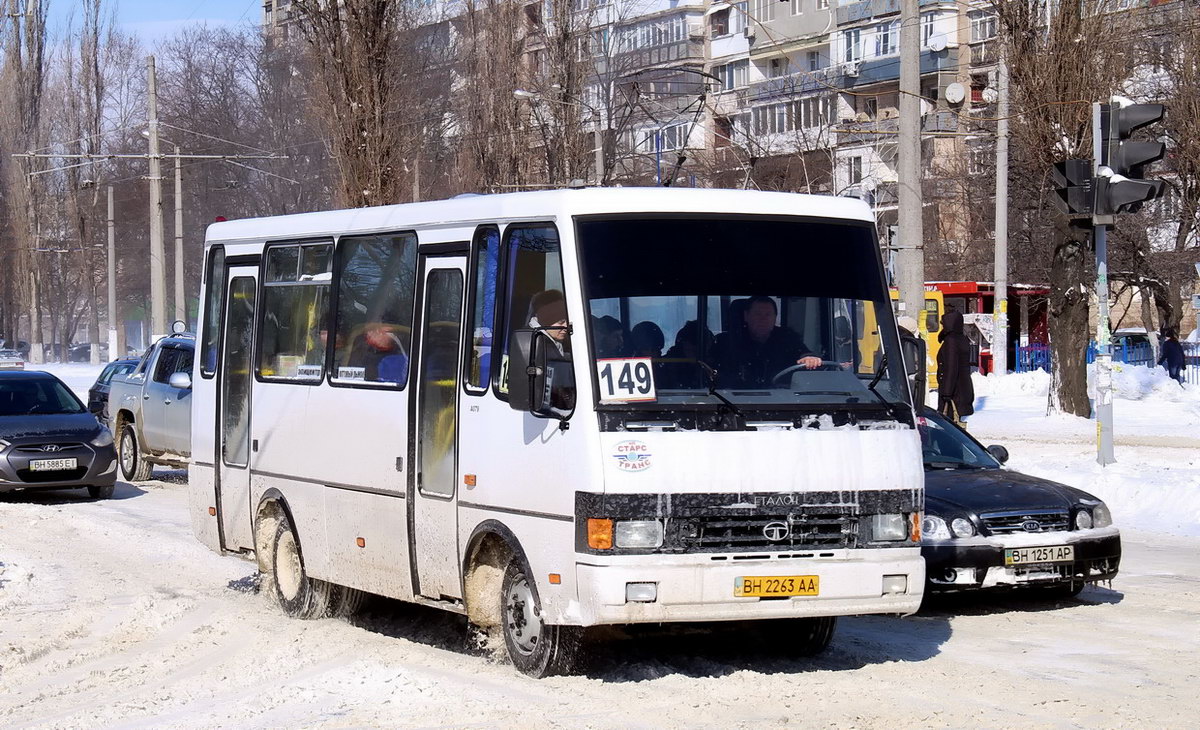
column 151, row 408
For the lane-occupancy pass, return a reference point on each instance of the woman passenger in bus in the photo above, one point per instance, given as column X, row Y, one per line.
column 380, row 353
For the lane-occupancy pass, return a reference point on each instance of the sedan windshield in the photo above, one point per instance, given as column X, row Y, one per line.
column 37, row 397
column 945, row 446
column 746, row 310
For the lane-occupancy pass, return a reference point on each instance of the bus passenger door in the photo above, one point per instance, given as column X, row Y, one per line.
column 233, row 410
column 434, row 429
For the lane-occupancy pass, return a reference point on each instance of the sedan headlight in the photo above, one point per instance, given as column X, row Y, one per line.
column 638, row 534
column 102, row 439
column 962, row 527
column 1101, row 517
column 934, row 528
column 1083, row 520
column 888, row 528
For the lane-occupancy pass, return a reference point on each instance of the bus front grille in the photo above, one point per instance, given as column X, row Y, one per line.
column 807, row 530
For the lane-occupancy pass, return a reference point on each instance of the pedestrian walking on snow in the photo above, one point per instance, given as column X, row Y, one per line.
column 1172, row 355
column 956, row 394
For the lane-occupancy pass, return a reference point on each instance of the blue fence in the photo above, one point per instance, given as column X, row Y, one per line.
column 1037, row 357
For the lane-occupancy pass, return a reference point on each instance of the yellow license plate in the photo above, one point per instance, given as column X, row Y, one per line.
column 772, row 586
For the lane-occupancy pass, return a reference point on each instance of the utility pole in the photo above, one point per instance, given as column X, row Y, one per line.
column 158, row 305
column 910, row 256
column 180, row 301
column 1000, row 295
column 599, row 137
column 114, row 344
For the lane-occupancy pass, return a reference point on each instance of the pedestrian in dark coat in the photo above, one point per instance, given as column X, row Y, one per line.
column 1172, row 355
column 956, row 394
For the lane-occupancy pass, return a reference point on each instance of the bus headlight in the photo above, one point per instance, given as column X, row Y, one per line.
column 888, row 528
column 638, row 534
column 1101, row 517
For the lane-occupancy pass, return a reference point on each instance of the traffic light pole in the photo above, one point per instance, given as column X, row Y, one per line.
column 1103, row 377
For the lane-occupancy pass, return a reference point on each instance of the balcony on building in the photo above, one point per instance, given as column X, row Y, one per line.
column 852, row 11
column 802, row 82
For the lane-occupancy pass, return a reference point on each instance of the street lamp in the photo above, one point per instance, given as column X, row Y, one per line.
column 597, row 135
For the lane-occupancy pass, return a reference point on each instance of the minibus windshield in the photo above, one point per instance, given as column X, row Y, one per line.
column 753, row 310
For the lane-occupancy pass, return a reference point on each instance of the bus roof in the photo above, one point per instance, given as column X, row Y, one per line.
column 538, row 205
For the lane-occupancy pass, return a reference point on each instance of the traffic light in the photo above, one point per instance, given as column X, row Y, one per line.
column 1123, row 191
column 1073, row 187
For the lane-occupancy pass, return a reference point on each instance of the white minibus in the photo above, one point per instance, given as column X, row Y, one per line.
column 562, row 409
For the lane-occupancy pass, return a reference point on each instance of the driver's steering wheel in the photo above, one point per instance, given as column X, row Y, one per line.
column 826, row 365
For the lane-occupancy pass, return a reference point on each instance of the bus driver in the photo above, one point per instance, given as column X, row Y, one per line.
column 751, row 356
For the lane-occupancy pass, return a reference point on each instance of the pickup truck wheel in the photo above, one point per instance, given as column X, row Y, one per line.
column 101, row 492
column 133, row 467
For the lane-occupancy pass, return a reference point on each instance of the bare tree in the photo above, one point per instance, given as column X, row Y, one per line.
column 1064, row 54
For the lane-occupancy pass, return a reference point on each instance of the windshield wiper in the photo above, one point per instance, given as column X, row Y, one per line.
column 712, row 389
column 952, row 465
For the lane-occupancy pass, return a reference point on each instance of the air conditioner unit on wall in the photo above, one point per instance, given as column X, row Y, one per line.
column 696, row 31
column 853, row 68
column 748, row 32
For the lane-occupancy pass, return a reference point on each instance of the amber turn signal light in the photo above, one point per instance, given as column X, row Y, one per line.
column 600, row 534
column 555, row 579
column 469, row 479
column 212, row 511
column 361, row 542
column 915, row 534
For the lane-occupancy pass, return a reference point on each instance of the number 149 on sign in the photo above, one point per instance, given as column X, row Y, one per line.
column 626, row 380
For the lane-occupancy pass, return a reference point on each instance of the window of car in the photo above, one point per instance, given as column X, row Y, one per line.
column 37, row 397
column 945, row 445
column 166, row 364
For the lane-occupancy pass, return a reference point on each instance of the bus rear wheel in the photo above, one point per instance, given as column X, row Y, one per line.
column 811, row 636
column 535, row 648
column 296, row 593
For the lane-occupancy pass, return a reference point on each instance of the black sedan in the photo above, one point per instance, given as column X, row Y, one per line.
column 990, row 527
column 98, row 393
column 49, row 440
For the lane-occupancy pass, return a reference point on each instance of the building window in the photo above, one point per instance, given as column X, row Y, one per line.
column 855, row 170
column 927, row 27
column 983, row 25
column 798, row 6
column 732, row 75
column 764, row 11
column 719, row 23
column 295, row 312
column 822, row 4
column 979, row 160
column 871, row 106
column 737, row 17
column 779, row 67
column 814, row 61
column 373, row 333
column 852, row 45
column 887, row 39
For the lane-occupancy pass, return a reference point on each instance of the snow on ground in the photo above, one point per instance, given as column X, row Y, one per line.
column 113, row 615
column 1155, row 484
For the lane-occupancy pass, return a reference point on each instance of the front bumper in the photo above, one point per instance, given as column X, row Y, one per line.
column 700, row 587
column 975, row 563
column 97, row 467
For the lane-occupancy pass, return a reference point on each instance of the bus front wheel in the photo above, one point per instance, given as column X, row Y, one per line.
column 297, row 594
column 811, row 636
column 536, row 648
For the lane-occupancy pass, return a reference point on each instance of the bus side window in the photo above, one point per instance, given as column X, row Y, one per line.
column 295, row 312
column 932, row 320
column 373, row 332
column 214, row 296
column 483, row 309
column 534, row 281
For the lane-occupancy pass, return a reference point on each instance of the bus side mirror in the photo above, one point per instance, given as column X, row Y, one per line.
column 534, row 373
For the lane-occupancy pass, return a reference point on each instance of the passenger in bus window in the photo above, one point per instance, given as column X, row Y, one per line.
column 610, row 337
column 380, row 353
column 549, row 309
column 751, row 357
column 647, row 340
column 680, row 368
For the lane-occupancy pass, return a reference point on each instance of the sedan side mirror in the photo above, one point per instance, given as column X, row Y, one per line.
column 181, row 381
column 999, row 452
